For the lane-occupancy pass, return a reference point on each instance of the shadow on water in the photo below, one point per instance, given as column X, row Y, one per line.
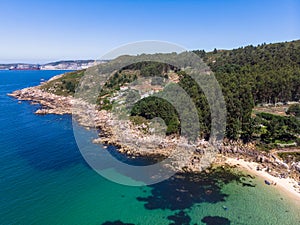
column 118, row 222
column 180, row 218
column 215, row 220
column 182, row 191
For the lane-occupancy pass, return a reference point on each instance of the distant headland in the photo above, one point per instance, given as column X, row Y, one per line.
column 58, row 65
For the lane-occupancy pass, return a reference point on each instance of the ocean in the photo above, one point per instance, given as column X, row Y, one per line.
column 45, row 180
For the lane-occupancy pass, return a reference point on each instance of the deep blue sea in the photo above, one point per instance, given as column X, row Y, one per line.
column 45, row 180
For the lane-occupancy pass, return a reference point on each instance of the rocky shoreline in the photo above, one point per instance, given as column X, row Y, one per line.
column 128, row 138
column 51, row 103
column 132, row 141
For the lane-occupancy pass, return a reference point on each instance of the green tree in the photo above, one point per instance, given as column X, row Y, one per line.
column 294, row 110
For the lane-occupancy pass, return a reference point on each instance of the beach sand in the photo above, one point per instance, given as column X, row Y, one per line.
column 287, row 185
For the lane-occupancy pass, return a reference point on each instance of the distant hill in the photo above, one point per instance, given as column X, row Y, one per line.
column 59, row 65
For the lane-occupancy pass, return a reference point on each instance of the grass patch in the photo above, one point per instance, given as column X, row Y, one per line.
column 138, row 120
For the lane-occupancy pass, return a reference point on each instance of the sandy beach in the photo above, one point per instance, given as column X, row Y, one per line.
column 287, row 185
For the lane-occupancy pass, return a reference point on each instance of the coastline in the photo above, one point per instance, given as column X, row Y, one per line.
column 112, row 132
column 129, row 139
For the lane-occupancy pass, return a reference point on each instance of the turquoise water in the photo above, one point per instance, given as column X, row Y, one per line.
column 44, row 180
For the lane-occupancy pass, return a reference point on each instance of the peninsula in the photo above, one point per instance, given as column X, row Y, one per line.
column 261, row 89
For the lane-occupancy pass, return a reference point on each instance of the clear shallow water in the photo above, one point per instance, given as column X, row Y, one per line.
column 44, row 180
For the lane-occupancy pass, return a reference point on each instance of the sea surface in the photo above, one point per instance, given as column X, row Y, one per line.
column 45, row 180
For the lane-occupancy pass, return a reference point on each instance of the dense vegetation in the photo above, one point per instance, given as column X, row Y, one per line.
column 277, row 129
column 65, row 85
column 255, row 75
column 271, row 72
column 150, row 68
column 294, row 110
column 152, row 107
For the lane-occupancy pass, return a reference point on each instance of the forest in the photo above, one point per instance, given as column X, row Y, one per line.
column 249, row 76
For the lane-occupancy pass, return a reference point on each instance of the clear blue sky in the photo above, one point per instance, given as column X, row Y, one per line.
column 41, row 31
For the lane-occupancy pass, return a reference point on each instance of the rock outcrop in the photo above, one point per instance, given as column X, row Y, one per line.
column 51, row 103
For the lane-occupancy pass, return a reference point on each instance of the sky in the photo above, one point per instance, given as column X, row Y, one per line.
column 36, row 31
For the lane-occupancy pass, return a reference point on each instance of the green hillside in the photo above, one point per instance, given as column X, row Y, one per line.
column 248, row 76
